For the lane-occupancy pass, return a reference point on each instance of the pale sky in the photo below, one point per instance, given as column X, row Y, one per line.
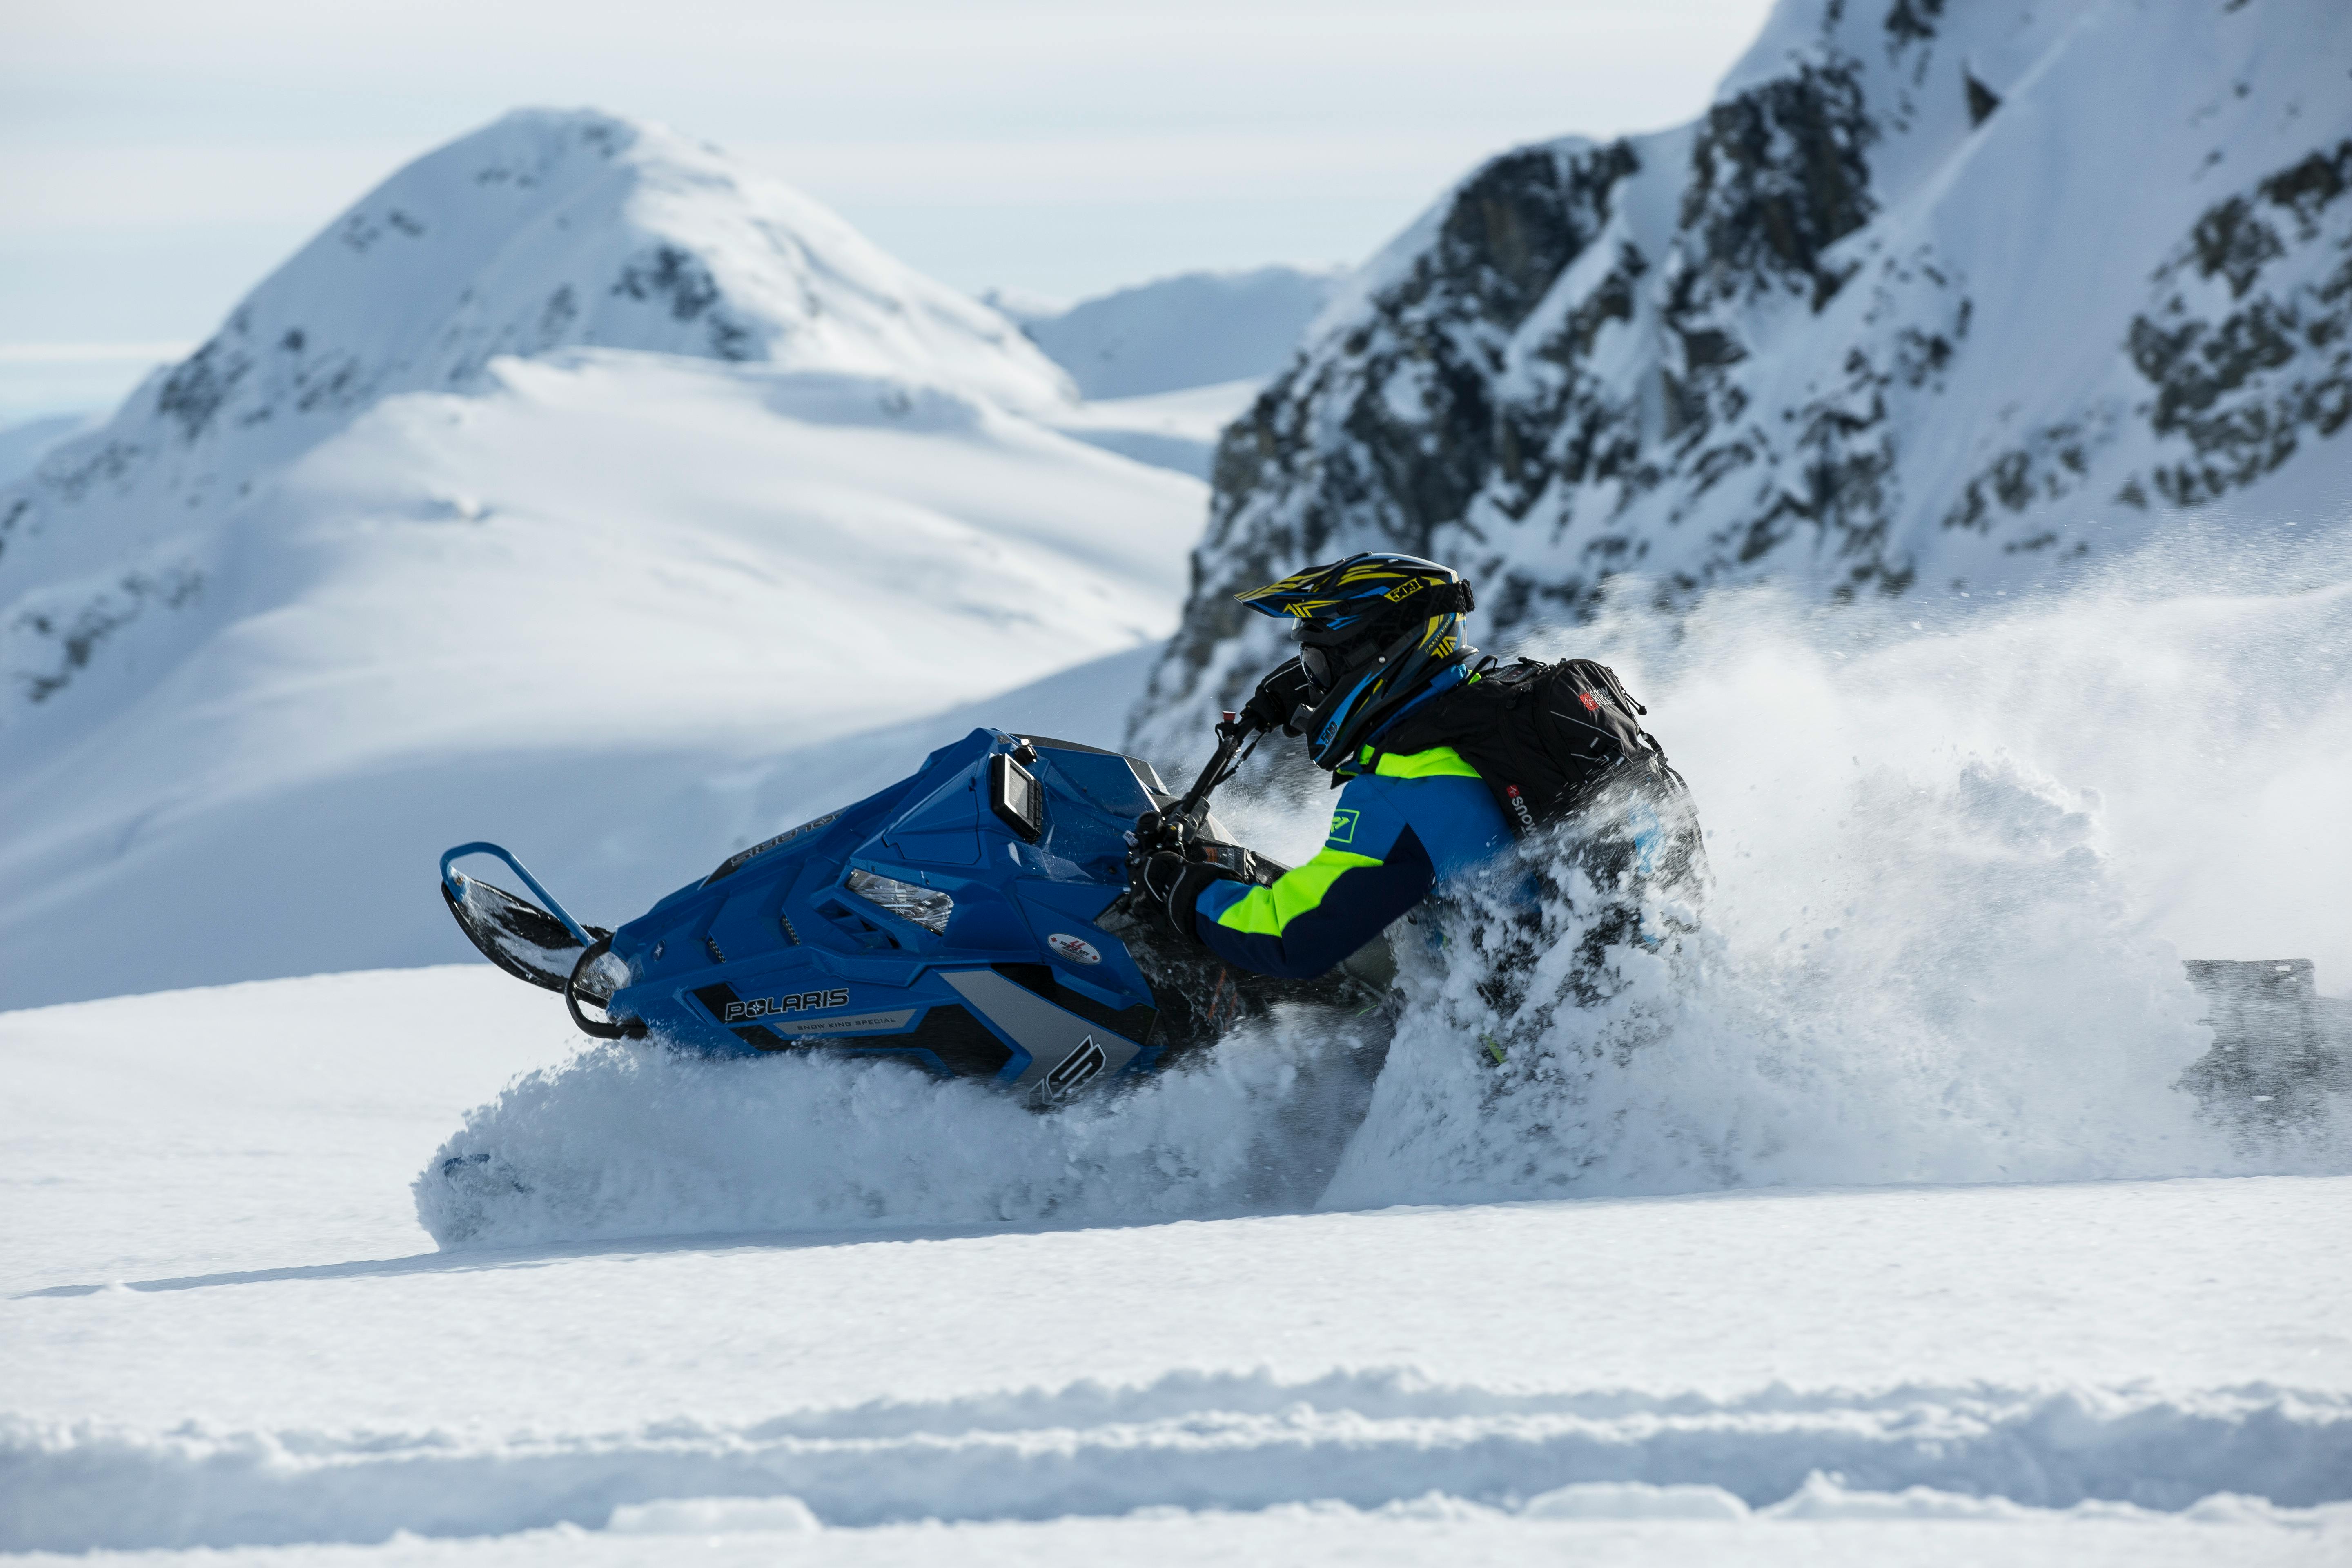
column 158, row 157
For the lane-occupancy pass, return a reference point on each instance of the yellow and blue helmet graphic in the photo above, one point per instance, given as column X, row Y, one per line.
column 1377, row 629
column 1361, row 591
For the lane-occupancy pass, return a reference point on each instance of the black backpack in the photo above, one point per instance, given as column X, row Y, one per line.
column 1547, row 737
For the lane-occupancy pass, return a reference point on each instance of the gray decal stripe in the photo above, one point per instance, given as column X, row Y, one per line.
column 842, row 1023
column 1049, row 1033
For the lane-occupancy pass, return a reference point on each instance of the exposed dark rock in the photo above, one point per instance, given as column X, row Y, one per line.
column 194, row 392
column 78, row 638
column 1776, row 177
column 1983, row 100
column 1398, row 433
column 1913, row 21
column 2230, row 240
column 671, row 274
column 563, row 310
column 113, row 458
column 2241, row 388
column 2306, row 189
column 339, row 382
column 2245, row 387
column 682, row 279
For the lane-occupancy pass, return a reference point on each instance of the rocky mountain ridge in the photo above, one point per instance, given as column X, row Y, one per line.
column 1931, row 297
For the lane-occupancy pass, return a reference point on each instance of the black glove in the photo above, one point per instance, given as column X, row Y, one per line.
column 1278, row 697
column 1154, row 878
column 1154, row 833
column 1173, row 884
column 1155, row 850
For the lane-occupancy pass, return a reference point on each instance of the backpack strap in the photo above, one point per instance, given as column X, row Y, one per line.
column 1542, row 737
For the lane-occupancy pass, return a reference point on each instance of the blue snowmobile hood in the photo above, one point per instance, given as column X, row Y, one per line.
column 913, row 923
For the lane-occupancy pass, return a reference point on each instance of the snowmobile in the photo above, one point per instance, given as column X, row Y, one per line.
column 972, row 919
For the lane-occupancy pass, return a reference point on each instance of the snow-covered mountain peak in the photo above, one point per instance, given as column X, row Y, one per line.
column 545, row 230
column 558, row 229
column 544, row 233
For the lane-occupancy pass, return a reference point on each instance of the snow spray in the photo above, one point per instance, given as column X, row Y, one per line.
column 643, row 1140
column 1957, row 854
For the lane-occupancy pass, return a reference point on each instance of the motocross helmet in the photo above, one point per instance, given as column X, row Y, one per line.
column 1373, row 631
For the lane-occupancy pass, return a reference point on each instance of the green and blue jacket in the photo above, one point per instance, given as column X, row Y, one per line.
column 1403, row 824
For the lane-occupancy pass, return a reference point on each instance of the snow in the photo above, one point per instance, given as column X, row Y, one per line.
column 1426, row 1531
column 1175, row 430
column 267, row 1143
column 1194, row 329
column 1165, row 366
column 22, row 444
column 223, row 1328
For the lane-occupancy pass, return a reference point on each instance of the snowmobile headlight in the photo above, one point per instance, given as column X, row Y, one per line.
column 927, row 907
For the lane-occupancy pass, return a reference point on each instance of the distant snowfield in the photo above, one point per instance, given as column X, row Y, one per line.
column 23, row 442
column 2125, row 1372
column 1175, row 430
column 1194, row 329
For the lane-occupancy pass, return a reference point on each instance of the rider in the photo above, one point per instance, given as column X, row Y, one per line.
column 1381, row 636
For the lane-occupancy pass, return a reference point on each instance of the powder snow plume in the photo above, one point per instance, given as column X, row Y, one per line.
column 1955, row 864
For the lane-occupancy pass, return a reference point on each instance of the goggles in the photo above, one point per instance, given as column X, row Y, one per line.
column 1322, row 672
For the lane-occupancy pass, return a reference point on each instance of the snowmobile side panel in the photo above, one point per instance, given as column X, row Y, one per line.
column 1066, row 1051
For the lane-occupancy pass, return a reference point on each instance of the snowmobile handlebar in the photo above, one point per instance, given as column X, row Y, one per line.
column 1237, row 737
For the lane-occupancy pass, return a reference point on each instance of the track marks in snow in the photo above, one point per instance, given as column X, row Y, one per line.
column 1190, row 1440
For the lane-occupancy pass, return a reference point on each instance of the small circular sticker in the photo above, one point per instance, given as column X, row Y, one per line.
column 1076, row 949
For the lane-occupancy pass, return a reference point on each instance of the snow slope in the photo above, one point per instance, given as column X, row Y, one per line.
column 23, row 444
column 1935, row 299
column 1631, row 1380
column 1195, row 328
column 384, row 566
column 1177, row 430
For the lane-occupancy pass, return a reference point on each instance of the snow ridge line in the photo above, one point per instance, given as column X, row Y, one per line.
column 1190, row 1441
